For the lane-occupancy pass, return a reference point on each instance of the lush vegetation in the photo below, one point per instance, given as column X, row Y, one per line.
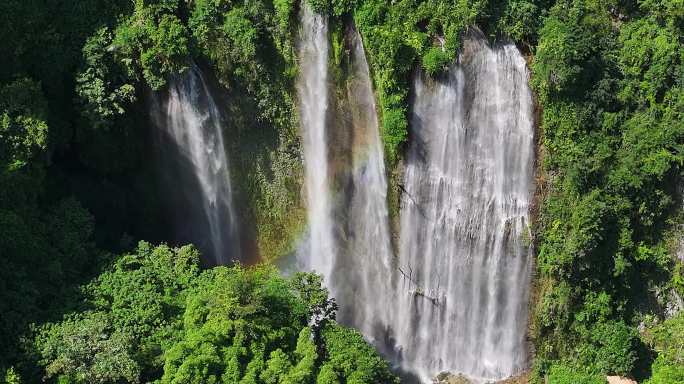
column 46, row 239
column 75, row 190
column 154, row 317
column 609, row 80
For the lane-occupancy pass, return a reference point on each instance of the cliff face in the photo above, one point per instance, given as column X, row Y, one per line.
column 266, row 173
column 266, row 160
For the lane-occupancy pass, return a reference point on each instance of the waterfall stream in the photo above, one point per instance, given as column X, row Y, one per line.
column 365, row 259
column 464, row 219
column 312, row 88
column 191, row 124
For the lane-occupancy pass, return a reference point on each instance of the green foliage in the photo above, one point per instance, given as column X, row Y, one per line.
column 436, row 60
column 321, row 309
column 277, row 368
column 102, row 98
column 154, row 41
column 69, row 230
column 46, row 235
column 400, row 33
column 520, row 20
column 319, row 6
column 563, row 374
column 327, row 375
column 43, row 42
column 392, row 44
column 612, row 349
column 250, row 326
column 351, row 359
column 23, row 129
column 118, row 63
column 306, row 355
column 144, row 294
column 607, row 78
column 134, row 314
column 250, row 44
column 667, row 339
column 664, row 373
column 678, row 278
column 569, row 49
column 336, row 8
column 284, row 13
column 12, row 377
column 106, row 92
column 153, row 315
column 86, row 348
column 43, row 255
column 237, row 319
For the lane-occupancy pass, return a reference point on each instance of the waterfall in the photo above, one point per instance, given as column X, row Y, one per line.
column 312, row 89
column 463, row 300
column 191, row 123
column 455, row 299
column 365, row 266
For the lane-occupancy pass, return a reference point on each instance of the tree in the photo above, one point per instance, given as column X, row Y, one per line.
column 133, row 315
column 86, row 348
column 562, row 374
column 352, row 358
column 251, row 326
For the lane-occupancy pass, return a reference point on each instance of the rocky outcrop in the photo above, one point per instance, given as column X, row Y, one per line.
column 448, row 378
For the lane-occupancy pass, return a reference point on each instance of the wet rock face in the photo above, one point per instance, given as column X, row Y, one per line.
column 364, row 255
column 448, row 378
column 195, row 168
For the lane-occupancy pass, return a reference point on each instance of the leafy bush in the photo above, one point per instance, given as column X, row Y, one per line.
column 612, row 349
column 23, row 126
column 102, row 98
column 436, row 60
column 153, row 41
column 664, row 372
column 562, row 374
column 667, row 339
column 134, row 311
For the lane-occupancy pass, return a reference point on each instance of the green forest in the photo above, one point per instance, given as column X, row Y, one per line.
column 94, row 290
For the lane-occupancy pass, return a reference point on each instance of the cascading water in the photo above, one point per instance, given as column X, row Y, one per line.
column 366, row 256
column 191, row 122
column 462, row 303
column 312, row 89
